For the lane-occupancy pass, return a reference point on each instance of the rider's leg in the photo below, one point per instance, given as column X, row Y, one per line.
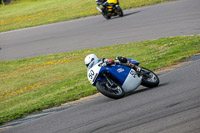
column 125, row 62
column 104, row 7
column 135, row 67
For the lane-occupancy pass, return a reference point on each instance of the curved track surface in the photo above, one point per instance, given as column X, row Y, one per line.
column 181, row 17
column 172, row 107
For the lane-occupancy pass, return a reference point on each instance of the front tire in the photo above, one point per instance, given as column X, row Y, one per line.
column 114, row 93
column 120, row 12
column 106, row 16
column 149, row 79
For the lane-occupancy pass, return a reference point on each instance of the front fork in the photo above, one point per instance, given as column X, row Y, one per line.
column 110, row 82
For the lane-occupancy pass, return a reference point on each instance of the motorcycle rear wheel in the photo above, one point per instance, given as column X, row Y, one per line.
column 115, row 93
column 149, row 79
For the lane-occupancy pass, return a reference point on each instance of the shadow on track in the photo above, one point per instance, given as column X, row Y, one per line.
column 131, row 13
column 146, row 89
column 143, row 89
column 125, row 15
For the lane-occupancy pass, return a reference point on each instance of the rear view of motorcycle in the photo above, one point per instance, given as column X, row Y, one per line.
column 110, row 8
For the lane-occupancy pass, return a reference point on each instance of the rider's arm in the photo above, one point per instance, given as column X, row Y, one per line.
column 98, row 2
column 107, row 62
column 125, row 62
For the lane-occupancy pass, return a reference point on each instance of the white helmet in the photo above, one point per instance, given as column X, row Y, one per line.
column 89, row 58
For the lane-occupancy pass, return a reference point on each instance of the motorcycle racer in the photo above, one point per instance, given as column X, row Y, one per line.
column 103, row 2
column 109, row 8
column 114, row 80
column 92, row 59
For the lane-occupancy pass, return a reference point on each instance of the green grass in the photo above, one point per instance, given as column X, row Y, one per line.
column 28, row 13
column 32, row 84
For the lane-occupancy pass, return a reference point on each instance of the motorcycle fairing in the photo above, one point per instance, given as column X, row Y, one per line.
column 133, row 61
column 93, row 72
column 119, row 72
column 124, row 75
column 132, row 81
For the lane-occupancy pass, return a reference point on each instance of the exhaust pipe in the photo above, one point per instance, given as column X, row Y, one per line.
column 99, row 9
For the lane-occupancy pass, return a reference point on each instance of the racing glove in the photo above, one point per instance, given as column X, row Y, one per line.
column 107, row 62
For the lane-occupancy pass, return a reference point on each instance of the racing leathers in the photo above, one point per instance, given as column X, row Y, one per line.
column 121, row 61
column 101, row 2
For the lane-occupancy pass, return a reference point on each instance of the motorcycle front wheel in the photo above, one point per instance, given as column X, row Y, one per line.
column 106, row 16
column 111, row 92
column 149, row 78
column 120, row 12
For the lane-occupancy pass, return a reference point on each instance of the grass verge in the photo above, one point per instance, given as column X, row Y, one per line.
column 32, row 84
column 28, row 13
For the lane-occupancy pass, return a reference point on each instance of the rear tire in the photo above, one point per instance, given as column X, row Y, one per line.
column 151, row 81
column 115, row 93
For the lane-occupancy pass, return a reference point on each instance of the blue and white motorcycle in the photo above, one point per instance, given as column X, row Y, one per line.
column 116, row 80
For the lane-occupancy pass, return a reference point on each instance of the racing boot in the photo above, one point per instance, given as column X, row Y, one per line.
column 125, row 62
column 121, row 60
column 135, row 67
